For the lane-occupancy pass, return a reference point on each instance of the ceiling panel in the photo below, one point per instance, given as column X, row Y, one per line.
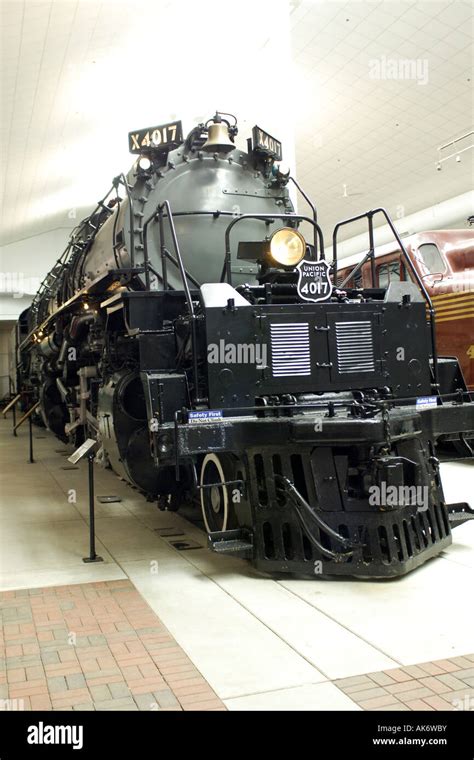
column 373, row 142
column 77, row 74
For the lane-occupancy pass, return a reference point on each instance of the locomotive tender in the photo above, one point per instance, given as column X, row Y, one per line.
column 192, row 330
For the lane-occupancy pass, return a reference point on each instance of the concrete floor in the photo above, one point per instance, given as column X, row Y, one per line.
column 259, row 642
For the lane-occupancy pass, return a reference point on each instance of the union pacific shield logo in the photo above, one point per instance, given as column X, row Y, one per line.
column 313, row 280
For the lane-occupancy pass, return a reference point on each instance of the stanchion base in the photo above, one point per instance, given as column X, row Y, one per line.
column 92, row 559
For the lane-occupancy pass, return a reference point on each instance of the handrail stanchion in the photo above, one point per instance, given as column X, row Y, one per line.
column 315, row 216
column 423, row 290
column 227, row 268
column 88, row 449
column 371, row 254
column 93, row 557
column 187, row 292
column 163, row 253
column 12, row 405
column 158, row 215
column 27, row 416
column 370, row 218
column 123, row 179
column 30, row 425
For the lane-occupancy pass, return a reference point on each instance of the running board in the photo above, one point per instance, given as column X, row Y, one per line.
column 459, row 513
column 238, row 543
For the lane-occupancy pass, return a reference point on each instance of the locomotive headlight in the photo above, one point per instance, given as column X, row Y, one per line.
column 144, row 163
column 287, row 247
column 283, row 250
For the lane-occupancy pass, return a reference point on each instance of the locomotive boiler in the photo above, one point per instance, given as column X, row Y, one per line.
column 192, row 330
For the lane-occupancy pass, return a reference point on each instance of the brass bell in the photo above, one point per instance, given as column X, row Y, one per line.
column 218, row 139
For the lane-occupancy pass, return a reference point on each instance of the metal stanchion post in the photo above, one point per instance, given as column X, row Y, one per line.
column 93, row 557
column 31, row 461
column 87, row 449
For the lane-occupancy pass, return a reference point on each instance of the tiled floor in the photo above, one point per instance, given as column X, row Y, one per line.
column 95, row 646
column 442, row 685
column 99, row 646
column 259, row 642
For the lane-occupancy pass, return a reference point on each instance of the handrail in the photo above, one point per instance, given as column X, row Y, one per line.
column 27, row 415
column 122, row 178
column 174, row 260
column 164, row 253
column 356, row 269
column 63, row 258
column 10, row 404
column 178, row 261
column 187, row 292
column 315, row 214
column 378, row 405
column 226, row 271
column 162, row 211
column 76, row 297
column 216, row 214
column 371, row 254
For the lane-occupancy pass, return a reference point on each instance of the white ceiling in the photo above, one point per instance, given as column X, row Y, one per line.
column 380, row 137
column 78, row 74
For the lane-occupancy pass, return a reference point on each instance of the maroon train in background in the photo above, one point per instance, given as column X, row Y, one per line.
column 444, row 259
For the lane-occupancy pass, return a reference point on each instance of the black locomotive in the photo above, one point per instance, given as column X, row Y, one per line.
column 211, row 350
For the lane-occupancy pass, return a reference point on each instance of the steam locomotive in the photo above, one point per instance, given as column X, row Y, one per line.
column 191, row 330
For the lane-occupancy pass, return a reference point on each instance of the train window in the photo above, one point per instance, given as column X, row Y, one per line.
column 354, row 282
column 394, row 271
column 432, row 258
column 384, row 277
column 388, row 273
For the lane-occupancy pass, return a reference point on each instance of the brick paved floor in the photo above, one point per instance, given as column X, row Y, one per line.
column 93, row 646
column 440, row 685
column 99, row 646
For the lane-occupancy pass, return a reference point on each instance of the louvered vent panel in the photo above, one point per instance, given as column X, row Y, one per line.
column 355, row 347
column 290, row 349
